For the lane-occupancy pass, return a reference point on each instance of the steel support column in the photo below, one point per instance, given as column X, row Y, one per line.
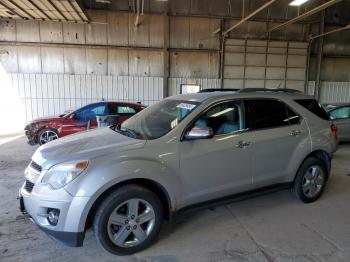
column 319, row 57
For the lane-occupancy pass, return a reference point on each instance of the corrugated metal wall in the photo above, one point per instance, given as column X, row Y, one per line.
column 52, row 94
column 332, row 92
column 268, row 64
column 59, row 66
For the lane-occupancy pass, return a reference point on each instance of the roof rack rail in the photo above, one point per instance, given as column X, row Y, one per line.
column 286, row 90
column 209, row 90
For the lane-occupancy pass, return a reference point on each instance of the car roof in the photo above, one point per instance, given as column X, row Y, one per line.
column 201, row 97
column 117, row 102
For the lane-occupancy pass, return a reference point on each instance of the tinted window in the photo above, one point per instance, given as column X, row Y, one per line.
column 340, row 113
column 90, row 112
column 224, row 118
column 266, row 113
column 313, row 106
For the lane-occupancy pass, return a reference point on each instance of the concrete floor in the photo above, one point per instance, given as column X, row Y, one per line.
column 273, row 227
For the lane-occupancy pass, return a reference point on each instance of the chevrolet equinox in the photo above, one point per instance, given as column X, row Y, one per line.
column 184, row 151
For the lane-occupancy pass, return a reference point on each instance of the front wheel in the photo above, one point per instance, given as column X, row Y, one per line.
column 46, row 135
column 128, row 220
column 310, row 180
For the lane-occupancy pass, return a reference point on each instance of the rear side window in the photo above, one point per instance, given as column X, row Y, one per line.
column 266, row 113
column 117, row 109
column 313, row 106
column 126, row 110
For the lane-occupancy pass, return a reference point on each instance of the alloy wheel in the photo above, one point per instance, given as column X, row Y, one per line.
column 131, row 223
column 47, row 136
column 313, row 181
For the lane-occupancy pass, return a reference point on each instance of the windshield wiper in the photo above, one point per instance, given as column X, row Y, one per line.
column 125, row 131
column 129, row 132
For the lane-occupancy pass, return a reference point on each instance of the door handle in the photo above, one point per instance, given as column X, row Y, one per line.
column 243, row 144
column 295, row 133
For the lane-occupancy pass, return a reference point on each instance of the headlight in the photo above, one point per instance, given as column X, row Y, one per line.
column 61, row 174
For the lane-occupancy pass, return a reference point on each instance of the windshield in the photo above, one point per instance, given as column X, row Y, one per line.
column 157, row 120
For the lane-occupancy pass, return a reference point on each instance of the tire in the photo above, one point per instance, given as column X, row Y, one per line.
column 310, row 180
column 46, row 135
column 114, row 219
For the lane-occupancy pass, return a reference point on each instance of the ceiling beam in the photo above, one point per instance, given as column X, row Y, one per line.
column 331, row 32
column 58, row 10
column 75, row 10
column 304, row 15
column 249, row 16
column 38, row 9
column 21, row 9
column 12, row 10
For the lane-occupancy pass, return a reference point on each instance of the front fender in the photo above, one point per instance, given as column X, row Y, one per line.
column 99, row 180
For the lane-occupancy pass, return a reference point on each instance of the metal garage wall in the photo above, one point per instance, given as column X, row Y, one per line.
column 269, row 64
column 52, row 94
column 332, row 92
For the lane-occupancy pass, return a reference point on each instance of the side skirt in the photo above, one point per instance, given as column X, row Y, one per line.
column 234, row 198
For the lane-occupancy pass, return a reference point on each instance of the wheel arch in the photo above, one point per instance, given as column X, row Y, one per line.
column 151, row 185
column 321, row 155
column 45, row 127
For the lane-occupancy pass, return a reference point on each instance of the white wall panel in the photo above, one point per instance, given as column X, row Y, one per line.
column 261, row 63
column 52, row 94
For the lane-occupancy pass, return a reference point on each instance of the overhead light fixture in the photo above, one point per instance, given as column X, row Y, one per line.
column 298, row 2
column 103, row 1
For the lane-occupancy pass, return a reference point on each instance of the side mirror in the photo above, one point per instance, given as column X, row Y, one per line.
column 199, row 133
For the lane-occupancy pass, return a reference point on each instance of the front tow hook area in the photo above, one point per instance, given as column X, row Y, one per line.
column 22, row 207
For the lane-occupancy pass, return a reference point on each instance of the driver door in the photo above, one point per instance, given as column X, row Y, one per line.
column 84, row 118
column 219, row 166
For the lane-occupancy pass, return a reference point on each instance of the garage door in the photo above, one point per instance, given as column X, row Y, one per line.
column 268, row 64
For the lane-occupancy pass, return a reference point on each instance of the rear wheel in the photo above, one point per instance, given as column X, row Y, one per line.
column 128, row 220
column 310, row 180
column 46, row 135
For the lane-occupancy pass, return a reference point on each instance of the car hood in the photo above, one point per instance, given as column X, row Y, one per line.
column 84, row 145
column 45, row 119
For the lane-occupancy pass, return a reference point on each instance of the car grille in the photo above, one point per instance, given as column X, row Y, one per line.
column 35, row 166
column 28, row 186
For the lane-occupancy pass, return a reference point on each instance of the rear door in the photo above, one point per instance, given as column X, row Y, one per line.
column 341, row 117
column 277, row 132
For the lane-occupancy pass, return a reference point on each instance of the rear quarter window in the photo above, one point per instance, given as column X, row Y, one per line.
column 313, row 106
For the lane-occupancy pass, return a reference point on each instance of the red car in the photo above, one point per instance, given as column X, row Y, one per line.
column 43, row 130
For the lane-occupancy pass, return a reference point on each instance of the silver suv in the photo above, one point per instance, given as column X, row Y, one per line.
column 184, row 151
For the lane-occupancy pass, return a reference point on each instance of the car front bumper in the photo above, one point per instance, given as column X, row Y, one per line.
column 31, row 135
column 69, row 229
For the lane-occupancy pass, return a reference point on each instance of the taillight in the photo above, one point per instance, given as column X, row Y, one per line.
column 334, row 130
